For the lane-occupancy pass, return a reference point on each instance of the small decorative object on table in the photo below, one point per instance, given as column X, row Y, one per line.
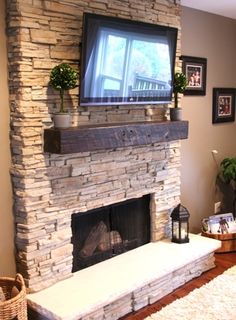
column 63, row 77
column 13, row 304
column 205, row 224
column 180, row 224
column 221, row 227
column 222, row 223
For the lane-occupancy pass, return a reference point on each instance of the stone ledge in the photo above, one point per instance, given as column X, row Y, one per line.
column 102, row 137
column 128, row 282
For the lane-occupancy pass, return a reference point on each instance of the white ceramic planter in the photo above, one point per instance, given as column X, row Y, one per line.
column 61, row 120
column 175, row 114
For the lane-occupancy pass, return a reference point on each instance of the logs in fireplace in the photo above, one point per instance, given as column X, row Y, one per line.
column 103, row 233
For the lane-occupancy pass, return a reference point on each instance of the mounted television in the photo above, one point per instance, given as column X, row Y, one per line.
column 126, row 62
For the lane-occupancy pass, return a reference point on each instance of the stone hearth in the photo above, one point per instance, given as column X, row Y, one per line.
column 126, row 283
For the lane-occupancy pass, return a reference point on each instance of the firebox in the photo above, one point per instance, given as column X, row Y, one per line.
column 103, row 233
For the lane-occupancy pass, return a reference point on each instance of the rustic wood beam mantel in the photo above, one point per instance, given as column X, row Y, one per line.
column 110, row 136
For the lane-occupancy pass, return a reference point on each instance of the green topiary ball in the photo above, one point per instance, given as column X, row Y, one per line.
column 63, row 77
column 180, row 82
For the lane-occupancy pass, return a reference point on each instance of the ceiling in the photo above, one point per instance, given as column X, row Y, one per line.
column 226, row 8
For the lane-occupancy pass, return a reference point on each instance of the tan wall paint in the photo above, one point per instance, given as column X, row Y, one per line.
column 213, row 37
column 7, row 262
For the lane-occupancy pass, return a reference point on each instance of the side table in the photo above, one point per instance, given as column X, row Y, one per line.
column 228, row 241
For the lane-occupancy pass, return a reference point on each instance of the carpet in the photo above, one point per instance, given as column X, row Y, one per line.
column 215, row 300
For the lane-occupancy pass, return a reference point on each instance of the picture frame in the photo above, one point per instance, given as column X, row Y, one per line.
column 223, row 109
column 222, row 223
column 195, row 69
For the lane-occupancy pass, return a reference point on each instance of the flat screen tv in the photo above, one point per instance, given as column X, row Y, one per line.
column 126, row 62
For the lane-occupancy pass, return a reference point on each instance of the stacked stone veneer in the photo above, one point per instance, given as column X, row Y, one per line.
column 48, row 188
column 151, row 292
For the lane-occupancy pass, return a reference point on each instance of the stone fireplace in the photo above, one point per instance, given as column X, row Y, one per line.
column 81, row 182
column 49, row 187
column 110, row 155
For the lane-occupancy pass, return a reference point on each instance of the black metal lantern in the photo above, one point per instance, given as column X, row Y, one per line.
column 180, row 224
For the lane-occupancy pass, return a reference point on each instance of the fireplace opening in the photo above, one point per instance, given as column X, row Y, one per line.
column 103, row 233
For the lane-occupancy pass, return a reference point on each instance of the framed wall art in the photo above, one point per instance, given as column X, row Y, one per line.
column 223, row 109
column 195, row 69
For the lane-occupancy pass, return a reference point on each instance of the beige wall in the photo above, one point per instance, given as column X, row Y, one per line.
column 7, row 264
column 213, row 37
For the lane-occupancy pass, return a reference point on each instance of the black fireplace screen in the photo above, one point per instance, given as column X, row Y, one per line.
column 103, row 233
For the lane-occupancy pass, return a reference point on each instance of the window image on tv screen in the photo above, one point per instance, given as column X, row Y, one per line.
column 126, row 62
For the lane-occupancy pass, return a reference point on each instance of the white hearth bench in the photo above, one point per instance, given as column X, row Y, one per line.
column 125, row 283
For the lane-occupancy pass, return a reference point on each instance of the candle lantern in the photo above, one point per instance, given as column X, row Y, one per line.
column 180, row 224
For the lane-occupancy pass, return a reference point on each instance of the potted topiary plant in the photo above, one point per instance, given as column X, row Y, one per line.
column 226, row 180
column 179, row 85
column 63, row 77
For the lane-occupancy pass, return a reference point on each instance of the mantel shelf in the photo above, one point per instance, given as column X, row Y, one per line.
column 111, row 136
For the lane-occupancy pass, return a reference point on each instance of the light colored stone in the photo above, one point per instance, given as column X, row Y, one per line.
column 63, row 8
column 43, row 36
column 62, row 251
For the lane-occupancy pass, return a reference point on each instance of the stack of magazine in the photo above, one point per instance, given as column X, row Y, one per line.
column 219, row 223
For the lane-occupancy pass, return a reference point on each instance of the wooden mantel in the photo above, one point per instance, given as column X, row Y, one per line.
column 110, row 136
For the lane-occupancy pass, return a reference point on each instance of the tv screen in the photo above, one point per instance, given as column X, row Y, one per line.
column 126, row 62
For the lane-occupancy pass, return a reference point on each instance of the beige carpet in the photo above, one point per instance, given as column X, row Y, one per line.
column 215, row 300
